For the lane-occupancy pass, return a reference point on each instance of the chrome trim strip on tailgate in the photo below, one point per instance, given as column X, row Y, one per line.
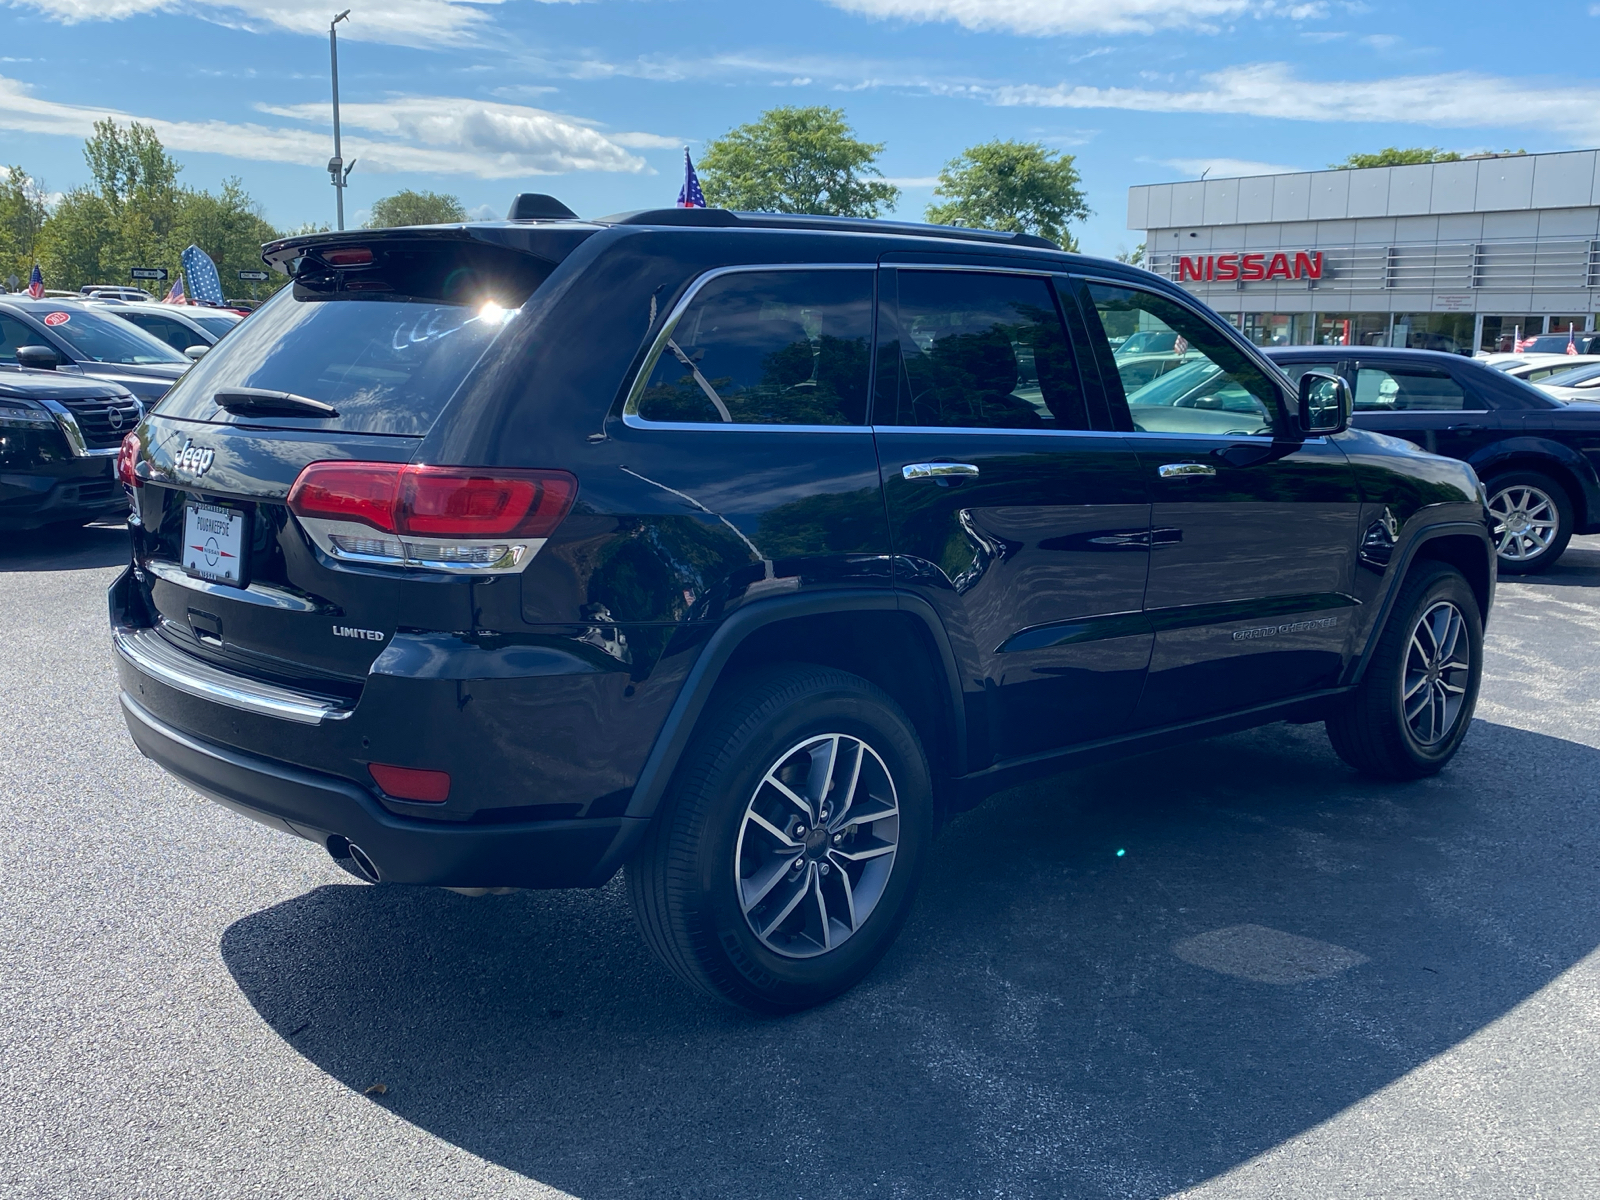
column 145, row 650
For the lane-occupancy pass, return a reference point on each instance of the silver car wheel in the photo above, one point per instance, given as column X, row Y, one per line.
column 816, row 845
column 1438, row 668
column 1525, row 522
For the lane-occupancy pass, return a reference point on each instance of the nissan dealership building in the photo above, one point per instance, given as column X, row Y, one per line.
column 1458, row 256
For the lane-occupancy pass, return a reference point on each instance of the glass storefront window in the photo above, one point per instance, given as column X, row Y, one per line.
column 1500, row 333
column 1450, row 332
column 1352, row 329
column 1275, row 329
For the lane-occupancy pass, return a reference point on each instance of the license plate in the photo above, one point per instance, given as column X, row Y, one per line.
column 213, row 542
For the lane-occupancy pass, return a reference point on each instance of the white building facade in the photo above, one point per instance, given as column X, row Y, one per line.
column 1458, row 256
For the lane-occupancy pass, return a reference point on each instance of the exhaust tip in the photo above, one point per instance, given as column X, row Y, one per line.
column 363, row 864
column 353, row 858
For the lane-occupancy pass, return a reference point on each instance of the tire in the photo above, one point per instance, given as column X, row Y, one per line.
column 1531, row 521
column 707, row 859
column 1371, row 730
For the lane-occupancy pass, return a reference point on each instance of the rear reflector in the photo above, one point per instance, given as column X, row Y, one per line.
column 412, row 783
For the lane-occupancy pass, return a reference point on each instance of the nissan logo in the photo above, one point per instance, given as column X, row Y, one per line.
column 114, row 415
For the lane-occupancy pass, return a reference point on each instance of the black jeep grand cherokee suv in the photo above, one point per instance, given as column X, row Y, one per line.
column 738, row 550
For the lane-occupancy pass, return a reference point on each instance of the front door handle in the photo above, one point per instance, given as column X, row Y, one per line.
column 1184, row 470
column 937, row 470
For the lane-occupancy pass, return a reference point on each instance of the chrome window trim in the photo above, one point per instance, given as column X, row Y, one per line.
column 630, row 407
column 1320, row 439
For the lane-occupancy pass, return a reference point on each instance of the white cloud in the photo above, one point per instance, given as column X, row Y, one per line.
column 502, row 140
column 912, row 181
column 1457, row 100
column 421, row 23
column 438, row 135
column 1041, row 18
column 1226, row 168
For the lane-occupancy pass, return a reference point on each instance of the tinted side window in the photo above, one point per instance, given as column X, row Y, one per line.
column 1408, row 389
column 1178, row 373
column 14, row 333
column 767, row 348
column 1296, row 369
column 983, row 352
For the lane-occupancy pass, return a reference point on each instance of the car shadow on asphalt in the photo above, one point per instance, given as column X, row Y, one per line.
column 64, row 549
column 1116, row 982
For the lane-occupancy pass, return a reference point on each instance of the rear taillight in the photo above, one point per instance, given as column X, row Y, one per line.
column 448, row 518
column 127, row 459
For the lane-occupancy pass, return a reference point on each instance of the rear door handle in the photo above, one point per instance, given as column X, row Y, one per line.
column 937, row 470
column 1184, row 470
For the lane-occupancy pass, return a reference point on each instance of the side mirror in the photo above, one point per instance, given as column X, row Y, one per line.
column 1325, row 404
column 196, row 352
column 38, row 358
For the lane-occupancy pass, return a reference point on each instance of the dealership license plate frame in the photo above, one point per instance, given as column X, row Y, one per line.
column 208, row 550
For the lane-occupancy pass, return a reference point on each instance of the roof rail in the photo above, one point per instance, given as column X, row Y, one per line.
column 722, row 218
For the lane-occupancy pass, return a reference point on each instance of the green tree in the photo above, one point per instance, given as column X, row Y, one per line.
column 1015, row 187
column 796, row 160
column 1394, row 156
column 22, row 215
column 229, row 227
column 135, row 214
column 1134, row 257
column 416, row 208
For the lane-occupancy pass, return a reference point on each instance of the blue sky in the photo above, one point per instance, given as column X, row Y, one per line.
column 592, row 101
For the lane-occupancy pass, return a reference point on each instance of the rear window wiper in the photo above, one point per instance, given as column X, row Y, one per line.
column 261, row 402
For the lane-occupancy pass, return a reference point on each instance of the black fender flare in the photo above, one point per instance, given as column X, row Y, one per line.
column 1401, row 566
column 1499, row 455
column 703, row 676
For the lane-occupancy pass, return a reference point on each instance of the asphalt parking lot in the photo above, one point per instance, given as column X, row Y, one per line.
column 1289, row 983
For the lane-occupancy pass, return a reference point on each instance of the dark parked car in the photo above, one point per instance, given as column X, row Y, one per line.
column 58, row 444
column 181, row 326
column 741, row 551
column 1537, row 456
column 83, row 339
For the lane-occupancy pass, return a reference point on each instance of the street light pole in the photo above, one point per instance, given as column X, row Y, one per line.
column 336, row 167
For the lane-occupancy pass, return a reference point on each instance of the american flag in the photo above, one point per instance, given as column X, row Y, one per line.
column 205, row 285
column 176, row 296
column 690, row 195
column 36, row 283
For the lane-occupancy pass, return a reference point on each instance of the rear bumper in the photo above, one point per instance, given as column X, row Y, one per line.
column 539, row 854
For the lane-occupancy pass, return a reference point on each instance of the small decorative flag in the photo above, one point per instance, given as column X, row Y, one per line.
column 202, row 276
column 176, row 295
column 36, row 283
column 1572, row 345
column 690, row 196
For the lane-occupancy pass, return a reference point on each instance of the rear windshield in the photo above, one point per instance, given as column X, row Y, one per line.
column 386, row 344
column 216, row 326
column 106, row 339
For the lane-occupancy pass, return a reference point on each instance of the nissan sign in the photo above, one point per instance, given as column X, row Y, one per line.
column 1248, row 268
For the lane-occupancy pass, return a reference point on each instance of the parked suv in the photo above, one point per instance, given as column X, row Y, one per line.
column 739, row 551
column 1538, row 457
column 59, row 437
column 85, row 339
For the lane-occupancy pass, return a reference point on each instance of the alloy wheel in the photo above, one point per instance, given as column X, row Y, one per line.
column 1438, row 668
column 1525, row 522
column 816, row 845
